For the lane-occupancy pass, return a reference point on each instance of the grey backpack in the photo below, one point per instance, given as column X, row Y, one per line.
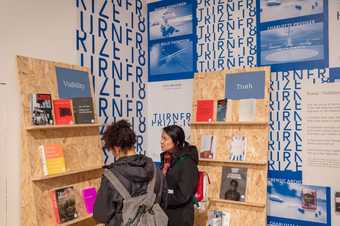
column 142, row 210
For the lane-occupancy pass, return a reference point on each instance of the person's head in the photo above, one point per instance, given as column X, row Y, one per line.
column 233, row 185
column 120, row 138
column 173, row 137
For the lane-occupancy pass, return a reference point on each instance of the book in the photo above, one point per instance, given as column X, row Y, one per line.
column 52, row 159
column 218, row 218
column 337, row 202
column 205, row 110
column 83, row 110
column 221, row 110
column 237, row 148
column 41, row 109
column 64, row 204
column 233, row 183
column 89, row 197
column 309, row 198
column 247, row 112
column 208, row 147
column 63, row 111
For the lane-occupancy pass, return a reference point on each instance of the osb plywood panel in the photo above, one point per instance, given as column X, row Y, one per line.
column 81, row 146
column 256, row 143
column 252, row 212
column 211, row 85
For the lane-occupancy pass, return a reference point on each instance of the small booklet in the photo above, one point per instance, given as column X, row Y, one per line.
column 247, row 112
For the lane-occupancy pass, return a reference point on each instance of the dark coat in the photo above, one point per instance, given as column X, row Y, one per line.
column 134, row 172
column 182, row 179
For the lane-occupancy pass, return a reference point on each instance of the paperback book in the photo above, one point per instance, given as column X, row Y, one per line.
column 233, row 184
column 309, row 199
column 64, row 204
column 247, row 111
column 218, row 218
column 89, row 197
column 83, row 110
column 41, row 109
column 208, row 147
column 221, row 110
column 337, row 202
column 205, row 110
column 63, row 111
column 237, row 148
column 52, row 159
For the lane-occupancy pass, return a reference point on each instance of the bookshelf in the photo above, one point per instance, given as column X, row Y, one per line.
column 80, row 142
column 251, row 212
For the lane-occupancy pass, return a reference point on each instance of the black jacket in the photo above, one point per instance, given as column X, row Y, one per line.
column 182, row 179
column 134, row 172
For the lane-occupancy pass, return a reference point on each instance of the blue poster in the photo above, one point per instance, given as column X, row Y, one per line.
column 293, row 34
column 334, row 74
column 72, row 83
column 296, row 204
column 171, row 40
column 248, row 85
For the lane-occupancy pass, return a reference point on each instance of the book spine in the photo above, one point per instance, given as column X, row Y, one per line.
column 43, row 160
column 55, row 206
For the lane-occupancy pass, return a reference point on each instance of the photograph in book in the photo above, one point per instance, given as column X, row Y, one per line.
column 233, row 184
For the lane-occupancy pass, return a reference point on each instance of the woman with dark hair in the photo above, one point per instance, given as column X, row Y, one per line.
column 133, row 171
column 179, row 162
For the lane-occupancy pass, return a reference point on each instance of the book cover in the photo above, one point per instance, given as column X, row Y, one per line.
column 237, row 148
column 41, row 109
column 221, row 110
column 83, row 110
column 63, row 111
column 309, row 198
column 337, row 202
column 64, row 204
column 218, row 218
column 233, row 183
column 208, row 147
column 52, row 159
column 72, row 83
column 89, row 197
column 205, row 110
column 247, row 112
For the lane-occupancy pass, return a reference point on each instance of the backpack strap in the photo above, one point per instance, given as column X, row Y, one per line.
column 152, row 183
column 117, row 184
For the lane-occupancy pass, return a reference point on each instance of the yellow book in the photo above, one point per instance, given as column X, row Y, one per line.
column 52, row 159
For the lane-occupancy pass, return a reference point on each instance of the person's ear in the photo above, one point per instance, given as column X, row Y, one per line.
column 116, row 151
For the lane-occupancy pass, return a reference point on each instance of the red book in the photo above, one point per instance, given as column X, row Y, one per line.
column 205, row 110
column 55, row 208
column 63, row 112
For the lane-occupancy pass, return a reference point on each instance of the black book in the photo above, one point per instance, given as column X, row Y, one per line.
column 64, row 204
column 41, row 109
column 83, row 110
column 233, row 184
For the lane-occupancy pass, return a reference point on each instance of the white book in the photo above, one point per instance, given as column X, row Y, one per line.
column 247, row 112
column 208, row 147
column 218, row 218
column 238, row 145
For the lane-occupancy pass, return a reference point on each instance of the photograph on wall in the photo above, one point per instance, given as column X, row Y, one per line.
column 293, row 34
column 272, row 9
column 298, row 42
column 233, row 184
column 170, row 21
column 303, row 204
column 171, row 57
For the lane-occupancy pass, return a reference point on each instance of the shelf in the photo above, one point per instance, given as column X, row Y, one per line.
column 53, row 127
column 229, row 124
column 250, row 204
column 67, row 173
column 80, row 219
column 245, row 163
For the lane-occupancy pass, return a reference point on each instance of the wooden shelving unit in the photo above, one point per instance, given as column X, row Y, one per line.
column 55, row 127
column 250, row 204
column 251, row 212
column 81, row 144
